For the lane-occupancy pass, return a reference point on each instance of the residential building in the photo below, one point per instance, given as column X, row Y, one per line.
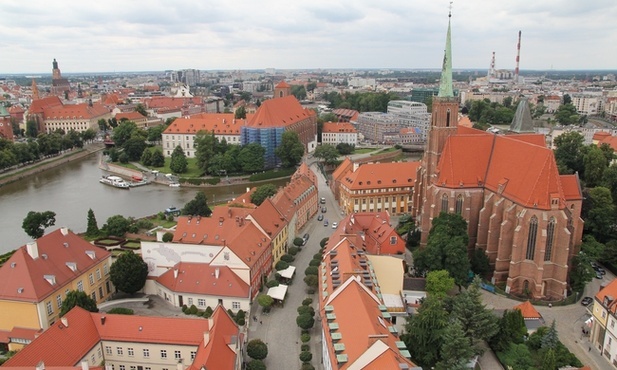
column 520, row 211
column 378, row 236
column 78, row 117
column 588, row 103
column 86, row 339
column 183, row 131
column 37, row 277
column 36, row 110
column 6, row 128
column 604, row 316
column 302, row 192
column 140, row 120
column 276, row 116
column 267, row 216
column 376, row 187
column 373, row 126
column 411, row 115
column 335, row 133
column 346, row 115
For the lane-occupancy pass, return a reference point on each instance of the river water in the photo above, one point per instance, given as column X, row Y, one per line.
column 71, row 189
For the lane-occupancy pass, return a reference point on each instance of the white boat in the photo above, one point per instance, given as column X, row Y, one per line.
column 174, row 185
column 114, row 181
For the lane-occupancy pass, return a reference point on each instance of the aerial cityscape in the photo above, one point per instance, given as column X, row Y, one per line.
column 308, row 186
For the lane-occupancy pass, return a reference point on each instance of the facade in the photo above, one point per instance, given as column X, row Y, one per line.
column 376, row 187
column 275, row 225
column 276, row 116
column 603, row 332
column 520, row 211
column 588, row 103
column 85, row 339
column 38, row 276
column 378, row 237
column 375, row 125
column 302, row 192
column 183, row 131
column 6, row 128
column 134, row 116
column 335, row 133
column 412, row 115
column 78, row 117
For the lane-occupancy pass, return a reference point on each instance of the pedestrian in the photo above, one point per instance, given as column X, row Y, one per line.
column 260, row 322
column 550, row 305
column 589, row 349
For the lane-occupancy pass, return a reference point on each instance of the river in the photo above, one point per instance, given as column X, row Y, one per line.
column 71, row 189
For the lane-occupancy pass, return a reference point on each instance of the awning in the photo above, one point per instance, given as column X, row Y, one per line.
column 278, row 292
column 288, row 273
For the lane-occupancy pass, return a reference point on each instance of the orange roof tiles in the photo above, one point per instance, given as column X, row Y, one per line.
column 204, row 279
column 336, row 127
column 280, row 112
column 218, row 352
column 158, row 102
column 464, row 121
column 610, row 141
column 131, row 116
column 24, row 333
column 528, row 311
column 220, row 123
column 571, row 187
column 75, row 111
column 39, row 105
column 382, row 175
column 609, row 291
column 24, row 278
column 282, row 84
column 373, row 231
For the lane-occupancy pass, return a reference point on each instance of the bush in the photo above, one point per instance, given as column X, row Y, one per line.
column 304, row 338
column 310, row 291
column 311, row 270
column 281, row 265
column 184, row 308
column 208, row 312
column 293, row 250
column 306, row 310
column 272, row 283
column 305, row 347
column 307, row 366
column 144, row 223
column 167, row 237
column 278, row 276
column 257, row 349
column 193, row 310
column 121, row 311
column 323, row 242
column 312, row 281
column 305, row 321
column 314, row 262
column 307, row 301
column 298, row 242
column 256, row 365
column 273, row 174
column 287, row 258
column 306, row 356
column 317, row 256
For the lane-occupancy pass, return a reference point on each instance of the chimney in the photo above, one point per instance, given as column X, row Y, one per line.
column 40, row 366
column 64, row 231
column 33, row 250
column 175, row 273
column 85, row 365
column 102, row 320
column 206, row 337
column 65, row 321
column 216, row 273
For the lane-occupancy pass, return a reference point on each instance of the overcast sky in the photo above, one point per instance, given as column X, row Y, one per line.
column 147, row 35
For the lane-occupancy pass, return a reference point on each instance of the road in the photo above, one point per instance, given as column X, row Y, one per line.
column 278, row 329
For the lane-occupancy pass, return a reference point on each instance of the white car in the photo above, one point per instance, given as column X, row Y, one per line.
column 334, row 225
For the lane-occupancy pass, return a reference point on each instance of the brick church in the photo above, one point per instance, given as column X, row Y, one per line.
column 519, row 209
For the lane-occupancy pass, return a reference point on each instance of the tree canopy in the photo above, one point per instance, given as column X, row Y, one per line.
column 327, row 153
column 93, row 228
column 179, row 163
column 257, row 349
column 77, row 298
column 129, row 272
column 262, row 193
column 34, row 223
column 291, row 150
column 569, row 152
column 198, row 206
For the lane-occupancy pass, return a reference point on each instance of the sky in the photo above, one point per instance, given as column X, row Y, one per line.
column 154, row 35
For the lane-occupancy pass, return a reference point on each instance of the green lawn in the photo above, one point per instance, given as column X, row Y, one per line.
column 388, row 150
column 363, row 150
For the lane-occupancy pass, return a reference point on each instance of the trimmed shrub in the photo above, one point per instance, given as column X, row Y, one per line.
column 307, row 301
column 208, row 312
column 272, row 283
column 311, row 270
column 287, row 258
column 281, row 265
column 193, row 310
column 257, row 349
column 306, row 310
column 121, row 311
column 323, row 242
column 293, row 250
column 278, row 276
column 256, row 365
column 305, row 347
column 307, row 366
column 167, row 237
column 184, row 308
column 306, row 356
column 315, row 263
column 317, row 256
column 298, row 242
column 305, row 338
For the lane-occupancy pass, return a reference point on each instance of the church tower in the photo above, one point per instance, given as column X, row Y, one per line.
column 35, row 91
column 55, row 72
column 444, row 115
column 282, row 89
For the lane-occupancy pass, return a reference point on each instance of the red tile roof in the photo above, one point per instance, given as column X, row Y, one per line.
column 24, row 278
column 382, row 175
column 131, row 116
column 373, row 231
column 75, row 111
column 609, row 291
column 528, row 311
column 269, row 218
column 158, row 102
column 571, row 187
column 610, row 141
column 204, row 279
column 282, row 84
column 24, row 333
column 218, row 352
column 39, row 105
column 280, row 112
column 220, row 123
column 336, row 127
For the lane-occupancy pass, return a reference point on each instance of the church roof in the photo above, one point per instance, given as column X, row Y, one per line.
column 445, row 84
column 282, row 85
column 520, row 168
column 522, row 121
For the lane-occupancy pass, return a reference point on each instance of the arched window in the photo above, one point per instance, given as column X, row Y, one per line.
column 526, row 286
column 531, row 238
column 448, row 118
column 459, row 204
column 444, row 203
column 550, row 233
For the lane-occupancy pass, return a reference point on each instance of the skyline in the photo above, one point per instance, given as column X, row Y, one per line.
column 206, row 35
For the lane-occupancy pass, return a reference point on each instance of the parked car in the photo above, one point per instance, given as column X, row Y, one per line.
column 322, row 201
column 320, row 218
column 334, row 225
column 586, row 301
column 325, row 223
column 599, row 275
column 324, row 210
column 600, row 270
column 306, row 236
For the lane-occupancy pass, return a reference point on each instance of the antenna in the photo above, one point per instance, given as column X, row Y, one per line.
column 450, row 9
column 518, row 57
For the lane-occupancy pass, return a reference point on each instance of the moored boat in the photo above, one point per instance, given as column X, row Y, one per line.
column 114, row 181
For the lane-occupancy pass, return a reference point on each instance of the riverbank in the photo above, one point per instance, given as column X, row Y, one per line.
column 49, row 163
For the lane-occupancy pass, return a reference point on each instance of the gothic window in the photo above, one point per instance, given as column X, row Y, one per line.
column 448, row 118
column 525, row 286
column 531, row 238
column 550, row 232
column 444, row 203
column 459, row 204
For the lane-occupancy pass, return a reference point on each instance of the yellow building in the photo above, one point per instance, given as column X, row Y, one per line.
column 37, row 277
column 377, row 187
column 272, row 223
column 604, row 303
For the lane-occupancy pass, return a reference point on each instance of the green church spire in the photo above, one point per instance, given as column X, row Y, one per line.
column 445, row 86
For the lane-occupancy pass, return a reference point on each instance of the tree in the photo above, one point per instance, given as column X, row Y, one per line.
column 581, row 272
column 456, row 350
column 168, row 237
column 439, row 283
column 77, row 298
column 566, row 114
column 34, row 223
column 88, row 135
column 480, row 264
column 478, row 322
column 311, row 281
column 251, row 157
column 198, row 206
column 265, row 300
column 291, row 150
column 129, row 272
column 141, row 109
column 446, row 248
column 516, row 356
column 425, row 332
column 205, row 144
column 123, row 132
column 569, row 152
column 305, row 321
column 549, row 362
column 32, row 128
column 596, row 163
column 146, row 158
column 298, row 91
column 134, row 148
column 157, row 159
column 600, row 217
column 512, row 329
column 240, row 113
column 306, row 356
column 326, row 153
column 345, row 148
column 179, row 163
column 155, row 133
column 117, row 225
column 550, row 339
column 567, row 99
column 256, row 365
column 262, row 193
column 92, row 229
column 257, row 349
